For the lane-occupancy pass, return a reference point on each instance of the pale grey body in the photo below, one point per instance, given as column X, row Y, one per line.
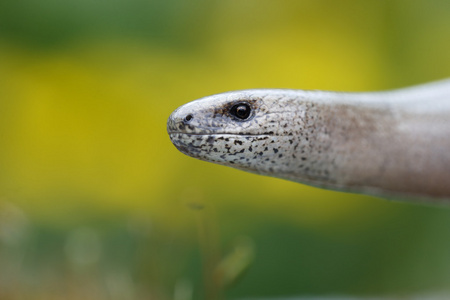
column 391, row 144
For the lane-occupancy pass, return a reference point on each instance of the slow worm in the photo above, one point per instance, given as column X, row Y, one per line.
column 393, row 144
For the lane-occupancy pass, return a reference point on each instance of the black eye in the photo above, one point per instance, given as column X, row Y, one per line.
column 188, row 118
column 241, row 111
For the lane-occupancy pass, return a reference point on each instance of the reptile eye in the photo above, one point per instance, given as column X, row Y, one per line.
column 188, row 118
column 241, row 111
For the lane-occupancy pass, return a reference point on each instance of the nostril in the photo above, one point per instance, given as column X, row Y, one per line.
column 188, row 118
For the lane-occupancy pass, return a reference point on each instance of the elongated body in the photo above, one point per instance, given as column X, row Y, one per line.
column 391, row 144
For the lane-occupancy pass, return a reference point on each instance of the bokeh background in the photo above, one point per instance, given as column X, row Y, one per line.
column 96, row 203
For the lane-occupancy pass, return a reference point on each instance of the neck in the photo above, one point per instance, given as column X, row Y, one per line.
column 366, row 147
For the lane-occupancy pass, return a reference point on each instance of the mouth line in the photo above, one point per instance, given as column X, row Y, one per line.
column 222, row 134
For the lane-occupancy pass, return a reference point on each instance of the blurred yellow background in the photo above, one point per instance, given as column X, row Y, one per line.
column 96, row 203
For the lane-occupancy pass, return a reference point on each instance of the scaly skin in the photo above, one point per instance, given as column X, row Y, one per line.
column 393, row 144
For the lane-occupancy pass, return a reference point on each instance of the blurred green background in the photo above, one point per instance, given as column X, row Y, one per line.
column 96, row 203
